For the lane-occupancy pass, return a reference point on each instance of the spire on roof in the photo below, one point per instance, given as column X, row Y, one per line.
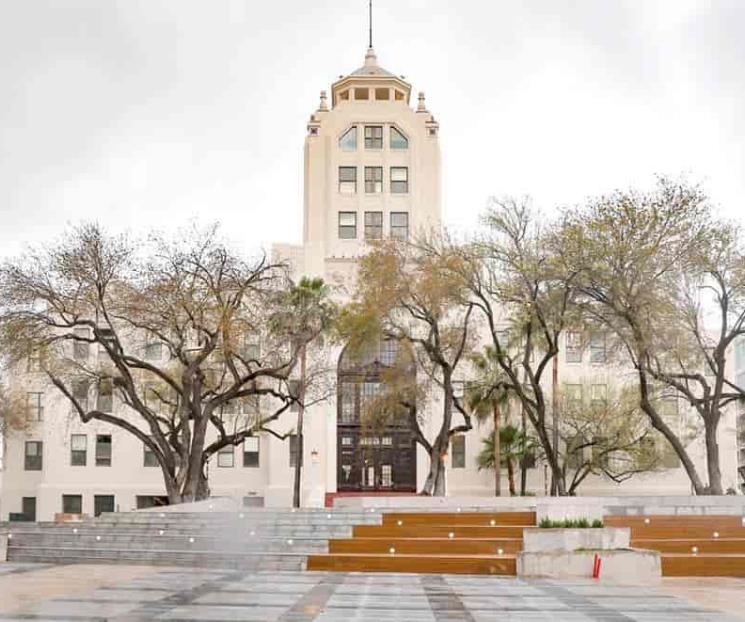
column 370, row 44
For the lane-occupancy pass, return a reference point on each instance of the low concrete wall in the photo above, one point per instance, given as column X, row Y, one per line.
column 567, row 540
column 3, row 547
column 622, row 566
column 560, row 507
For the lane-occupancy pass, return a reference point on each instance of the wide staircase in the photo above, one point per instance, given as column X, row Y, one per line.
column 431, row 542
column 690, row 546
column 252, row 540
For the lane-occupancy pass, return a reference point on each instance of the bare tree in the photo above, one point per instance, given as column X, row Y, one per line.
column 655, row 269
column 174, row 342
column 409, row 292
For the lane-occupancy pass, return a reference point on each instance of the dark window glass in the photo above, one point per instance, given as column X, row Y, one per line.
column 348, row 179
column 148, row 457
column 458, row 451
column 373, row 179
column 103, row 450
column 400, row 225
column 373, row 225
column 399, row 179
column 35, row 406
column 251, row 451
column 347, row 225
column 33, row 455
column 78, row 450
column 72, row 504
column 373, row 137
column 226, row 457
column 102, row 503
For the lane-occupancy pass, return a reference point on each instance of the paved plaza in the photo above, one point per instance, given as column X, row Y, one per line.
column 147, row 593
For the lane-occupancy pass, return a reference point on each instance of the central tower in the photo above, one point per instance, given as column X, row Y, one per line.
column 371, row 168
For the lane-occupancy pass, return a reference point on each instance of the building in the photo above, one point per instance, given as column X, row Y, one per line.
column 372, row 169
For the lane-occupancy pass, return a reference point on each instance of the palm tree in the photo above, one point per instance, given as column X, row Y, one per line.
column 514, row 447
column 487, row 397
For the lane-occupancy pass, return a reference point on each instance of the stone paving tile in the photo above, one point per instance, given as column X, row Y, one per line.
column 224, row 595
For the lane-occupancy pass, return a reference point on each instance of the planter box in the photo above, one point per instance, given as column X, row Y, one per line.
column 619, row 566
column 536, row 540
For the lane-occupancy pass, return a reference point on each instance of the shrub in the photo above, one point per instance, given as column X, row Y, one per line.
column 569, row 523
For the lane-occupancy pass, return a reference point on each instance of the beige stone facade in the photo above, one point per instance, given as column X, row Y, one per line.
column 372, row 169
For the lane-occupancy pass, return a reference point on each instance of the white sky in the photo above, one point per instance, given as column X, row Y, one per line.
column 148, row 113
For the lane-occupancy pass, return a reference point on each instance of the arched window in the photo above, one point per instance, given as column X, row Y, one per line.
column 348, row 140
column 398, row 140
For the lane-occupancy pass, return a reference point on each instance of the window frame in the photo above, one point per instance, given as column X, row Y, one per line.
column 344, row 228
column 393, row 129
column 399, row 232
column 573, row 351
column 38, row 406
column 76, row 454
column 375, row 181
column 399, row 186
column 223, row 453
column 373, row 231
column 252, row 463
column 351, row 130
column 347, row 183
column 373, row 142
column 101, row 459
column 68, row 510
column 458, row 451
column 30, row 460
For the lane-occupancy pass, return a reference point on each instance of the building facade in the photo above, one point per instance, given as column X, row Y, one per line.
column 372, row 169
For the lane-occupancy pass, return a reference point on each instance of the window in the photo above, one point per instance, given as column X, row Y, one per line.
column 78, row 450
column 148, row 457
column 668, row 406
column 33, row 455
column 399, row 180
column 599, row 395
column 72, row 504
column 226, row 457
column 388, row 351
column 252, row 346
column 346, row 398
column 153, row 350
column 373, row 225
column 399, row 96
column 35, row 406
column 573, row 347
column 294, row 442
column 382, row 94
column 373, row 137
column 347, row 179
column 106, row 336
column 348, row 140
column 102, row 503
column 597, row 347
column 105, row 401
column 458, row 451
column 81, row 349
column 361, row 94
column 400, row 225
column 251, row 451
column 398, row 140
column 373, row 179
column 347, row 225
column 80, row 393
column 573, row 394
column 103, row 450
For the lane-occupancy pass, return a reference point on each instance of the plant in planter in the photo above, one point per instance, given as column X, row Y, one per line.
column 570, row 523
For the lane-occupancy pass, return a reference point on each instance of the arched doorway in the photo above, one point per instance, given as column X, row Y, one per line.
column 380, row 457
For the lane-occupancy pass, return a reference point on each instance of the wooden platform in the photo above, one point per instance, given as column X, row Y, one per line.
column 431, row 542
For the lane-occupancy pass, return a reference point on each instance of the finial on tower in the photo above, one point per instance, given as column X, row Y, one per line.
column 369, row 6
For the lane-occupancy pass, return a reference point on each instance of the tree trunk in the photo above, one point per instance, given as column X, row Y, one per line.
column 523, row 463
column 712, row 455
column 300, row 421
column 555, row 419
column 497, row 455
column 434, row 485
column 511, row 476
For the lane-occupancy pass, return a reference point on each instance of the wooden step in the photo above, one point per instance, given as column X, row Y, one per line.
column 436, row 531
column 486, row 519
column 686, row 533
column 685, row 545
column 427, row 546
column 451, row 564
column 703, row 565
column 676, row 521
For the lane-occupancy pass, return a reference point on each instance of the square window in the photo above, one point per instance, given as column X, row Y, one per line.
column 373, row 137
column 400, row 225
column 347, row 179
column 382, row 94
column 103, row 450
column 347, row 225
column 251, row 452
column 72, row 504
column 373, row 179
column 373, row 225
column 78, row 450
column 33, row 452
column 226, row 457
column 102, row 503
column 361, row 94
column 399, row 179
column 458, row 451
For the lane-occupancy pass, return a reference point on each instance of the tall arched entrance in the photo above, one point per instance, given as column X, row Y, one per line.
column 373, row 456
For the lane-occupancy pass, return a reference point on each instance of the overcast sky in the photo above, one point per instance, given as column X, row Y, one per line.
column 148, row 113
